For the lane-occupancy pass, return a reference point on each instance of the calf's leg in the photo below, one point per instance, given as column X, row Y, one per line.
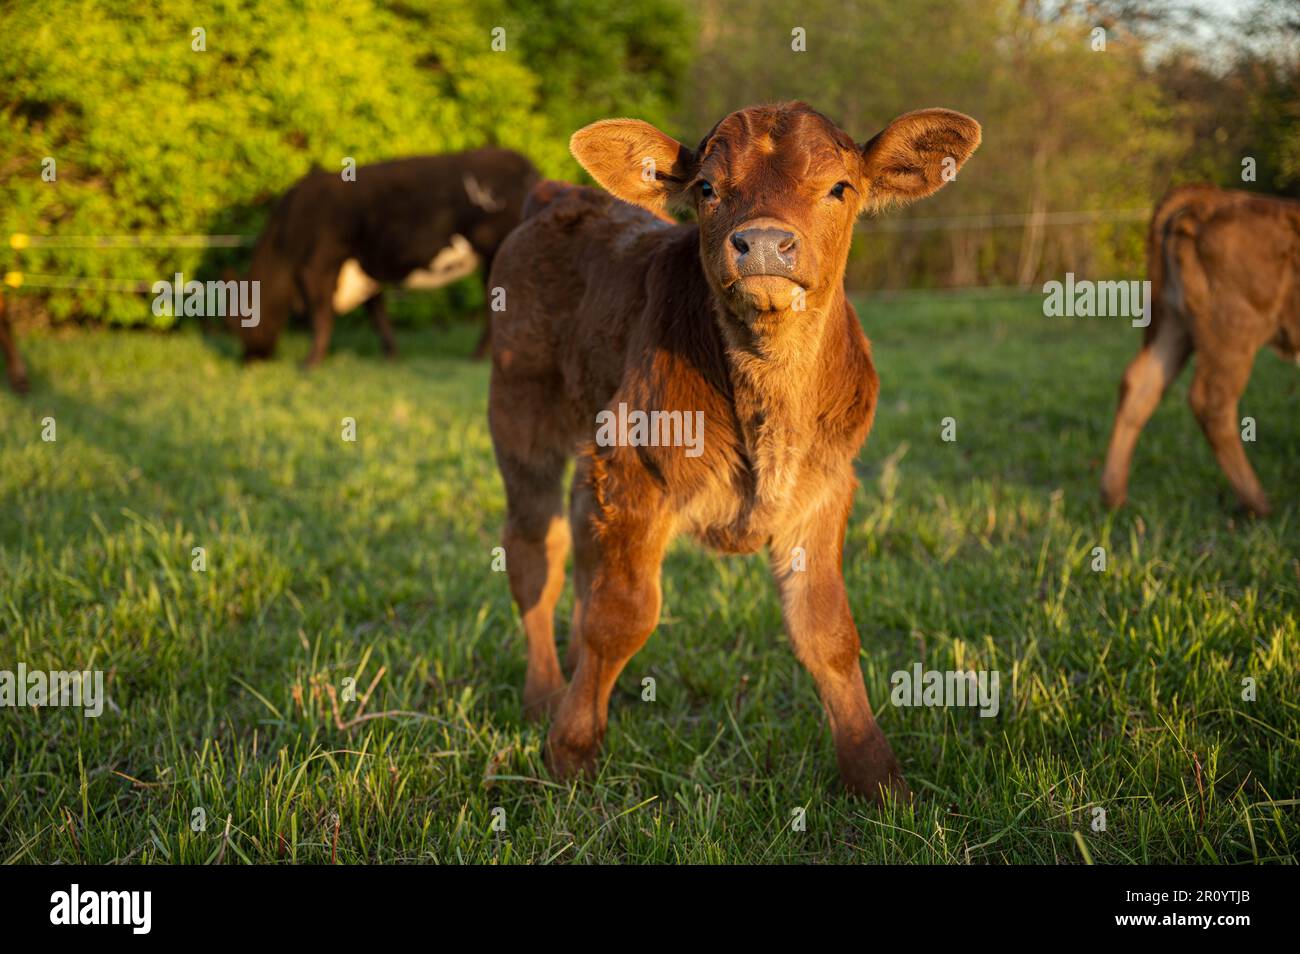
column 619, row 612
column 536, row 536
column 1145, row 382
column 820, row 625
column 1218, row 382
column 585, row 555
column 536, row 543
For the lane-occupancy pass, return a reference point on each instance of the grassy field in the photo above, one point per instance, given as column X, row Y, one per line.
column 326, row 559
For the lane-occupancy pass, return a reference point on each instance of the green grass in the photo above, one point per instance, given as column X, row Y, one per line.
column 1120, row 690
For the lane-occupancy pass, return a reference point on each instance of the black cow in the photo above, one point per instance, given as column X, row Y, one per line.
column 421, row 222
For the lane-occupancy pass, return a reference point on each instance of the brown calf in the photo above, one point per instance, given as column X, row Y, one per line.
column 740, row 321
column 1224, row 268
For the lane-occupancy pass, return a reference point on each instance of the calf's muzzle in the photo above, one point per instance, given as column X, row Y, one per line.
column 764, row 248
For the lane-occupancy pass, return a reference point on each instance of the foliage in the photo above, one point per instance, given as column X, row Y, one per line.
column 152, row 137
column 1066, row 128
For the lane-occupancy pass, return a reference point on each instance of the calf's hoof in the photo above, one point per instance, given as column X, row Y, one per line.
column 1113, row 499
column 567, row 761
column 1256, row 506
column 879, row 785
column 871, row 770
column 18, row 381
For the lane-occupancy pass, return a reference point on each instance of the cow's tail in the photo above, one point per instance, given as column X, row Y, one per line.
column 1176, row 201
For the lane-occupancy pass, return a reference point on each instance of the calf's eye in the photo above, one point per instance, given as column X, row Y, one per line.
column 837, row 192
column 706, row 189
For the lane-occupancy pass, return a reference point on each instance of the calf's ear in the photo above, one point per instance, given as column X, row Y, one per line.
column 917, row 154
column 635, row 161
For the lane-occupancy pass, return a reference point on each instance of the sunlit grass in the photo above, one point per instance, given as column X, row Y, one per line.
column 372, row 560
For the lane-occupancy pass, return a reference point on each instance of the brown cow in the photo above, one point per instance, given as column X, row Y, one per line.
column 1224, row 268
column 736, row 332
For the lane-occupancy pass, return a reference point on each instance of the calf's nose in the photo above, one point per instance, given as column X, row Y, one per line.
column 764, row 250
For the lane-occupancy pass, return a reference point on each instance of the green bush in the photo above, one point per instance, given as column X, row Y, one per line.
column 151, row 136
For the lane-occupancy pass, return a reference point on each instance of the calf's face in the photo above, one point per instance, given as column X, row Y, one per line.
column 776, row 190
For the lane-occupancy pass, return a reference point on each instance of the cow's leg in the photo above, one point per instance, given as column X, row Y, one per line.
column 1218, row 382
column 1145, row 381
column 485, row 337
column 14, row 366
column 318, row 291
column 378, row 311
column 536, row 533
column 322, row 327
column 619, row 612
column 820, row 625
